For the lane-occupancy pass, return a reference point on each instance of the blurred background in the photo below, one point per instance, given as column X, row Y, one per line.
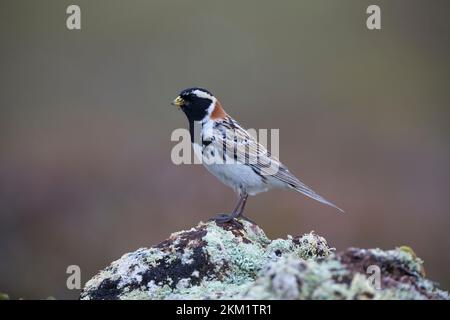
column 85, row 125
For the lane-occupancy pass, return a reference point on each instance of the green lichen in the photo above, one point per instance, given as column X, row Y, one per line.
column 407, row 258
column 291, row 278
column 306, row 247
column 312, row 246
column 154, row 256
column 210, row 289
column 226, row 250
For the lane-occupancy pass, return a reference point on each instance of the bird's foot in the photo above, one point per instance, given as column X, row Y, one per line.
column 224, row 218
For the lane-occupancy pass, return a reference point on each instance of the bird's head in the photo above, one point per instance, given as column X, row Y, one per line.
column 198, row 104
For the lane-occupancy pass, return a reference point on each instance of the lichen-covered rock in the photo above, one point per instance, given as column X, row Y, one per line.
column 238, row 261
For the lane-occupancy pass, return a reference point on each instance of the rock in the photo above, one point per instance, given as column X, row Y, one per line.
column 238, row 261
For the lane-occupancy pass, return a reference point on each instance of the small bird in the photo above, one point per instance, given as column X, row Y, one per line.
column 231, row 154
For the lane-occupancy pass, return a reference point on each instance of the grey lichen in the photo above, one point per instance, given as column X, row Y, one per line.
column 238, row 261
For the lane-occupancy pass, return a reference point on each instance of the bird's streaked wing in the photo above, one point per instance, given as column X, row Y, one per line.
column 235, row 140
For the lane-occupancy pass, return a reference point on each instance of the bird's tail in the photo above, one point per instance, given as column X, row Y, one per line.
column 307, row 191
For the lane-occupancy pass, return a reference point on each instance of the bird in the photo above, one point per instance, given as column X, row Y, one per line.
column 231, row 154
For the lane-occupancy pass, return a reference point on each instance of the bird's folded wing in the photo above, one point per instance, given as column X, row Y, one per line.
column 243, row 148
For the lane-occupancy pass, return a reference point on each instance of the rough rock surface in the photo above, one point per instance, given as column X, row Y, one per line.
column 238, row 261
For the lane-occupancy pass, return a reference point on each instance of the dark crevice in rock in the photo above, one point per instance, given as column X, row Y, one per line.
column 170, row 273
column 107, row 290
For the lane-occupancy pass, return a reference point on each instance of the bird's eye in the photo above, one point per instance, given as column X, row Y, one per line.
column 187, row 101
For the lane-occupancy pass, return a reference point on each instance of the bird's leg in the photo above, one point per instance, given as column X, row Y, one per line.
column 241, row 211
column 240, row 206
column 227, row 218
column 237, row 212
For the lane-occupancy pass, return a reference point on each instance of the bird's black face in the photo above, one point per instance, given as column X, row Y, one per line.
column 194, row 102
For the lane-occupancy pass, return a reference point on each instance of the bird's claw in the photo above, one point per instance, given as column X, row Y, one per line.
column 225, row 218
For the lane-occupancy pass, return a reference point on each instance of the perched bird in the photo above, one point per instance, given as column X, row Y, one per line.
column 231, row 154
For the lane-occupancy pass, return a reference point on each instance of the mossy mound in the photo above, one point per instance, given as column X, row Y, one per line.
column 238, row 261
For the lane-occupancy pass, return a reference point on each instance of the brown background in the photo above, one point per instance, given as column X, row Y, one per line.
column 85, row 124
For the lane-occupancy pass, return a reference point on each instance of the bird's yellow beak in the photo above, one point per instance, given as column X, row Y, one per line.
column 178, row 102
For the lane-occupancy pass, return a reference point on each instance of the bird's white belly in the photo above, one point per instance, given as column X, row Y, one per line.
column 239, row 177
